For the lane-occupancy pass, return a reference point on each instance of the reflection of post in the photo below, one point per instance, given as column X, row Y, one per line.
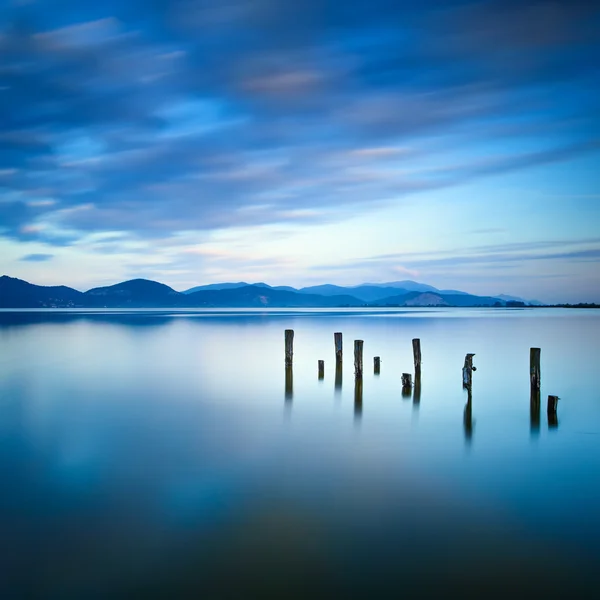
column 338, row 376
column 468, row 417
column 534, row 368
column 376, row 365
column 289, row 384
column 552, row 407
column 358, row 397
column 321, row 364
column 289, row 347
column 358, row 358
column 416, row 344
column 337, row 338
column 534, row 411
column 417, row 392
column 467, row 371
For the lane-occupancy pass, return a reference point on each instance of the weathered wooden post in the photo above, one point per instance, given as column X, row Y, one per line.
column 289, row 384
column 358, row 397
column 416, row 344
column 534, row 368
column 358, row 358
column 376, row 365
column 534, row 411
column 552, row 407
column 406, row 385
column 289, row 347
column 467, row 371
column 417, row 392
column 321, row 364
column 337, row 339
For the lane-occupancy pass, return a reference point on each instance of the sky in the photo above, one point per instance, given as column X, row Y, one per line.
column 455, row 143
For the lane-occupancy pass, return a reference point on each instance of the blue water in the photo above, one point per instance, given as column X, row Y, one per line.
column 164, row 454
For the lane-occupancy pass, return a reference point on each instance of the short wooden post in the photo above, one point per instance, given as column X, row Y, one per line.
column 552, row 404
column 358, row 397
column 321, row 364
column 289, row 347
column 406, row 385
column 358, row 358
column 467, row 372
column 289, row 384
column 416, row 344
column 337, row 339
column 534, row 368
column 376, row 365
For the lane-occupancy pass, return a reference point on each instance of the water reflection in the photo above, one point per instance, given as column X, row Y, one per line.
column 338, row 377
column 289, row 384
column 534, row 412
column 468, row 417
column 358, row 397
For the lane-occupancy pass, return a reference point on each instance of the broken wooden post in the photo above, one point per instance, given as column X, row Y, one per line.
column 337, row 339
column 416, row 344
column 552, row 404
column 289, row 347
column 467, row 371
column 321, row 364
column 406, row 385
column 534, row 368
column 289, row 384
column 358, row 397
column 358, row 358
column 376, row 365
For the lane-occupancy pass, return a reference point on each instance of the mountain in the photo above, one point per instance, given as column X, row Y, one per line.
column 253, row 296
column 16, row 293
column 216, row 286
column 136, row 293
column 438, row 299
column 407, row 284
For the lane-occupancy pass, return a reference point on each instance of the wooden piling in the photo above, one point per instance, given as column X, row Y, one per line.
column 337, row 340
column 467, row 372
column 416, row 344
column 417, row 392
column 376, row 365
column 338, row 376
column 289, row 384
column 321, row 364
column 534, row 411
column 358, row 397
column 552, row 404
column 468, row 418
column 406, row 380
column 289, row 347
column 358, row 358
column 534, row 368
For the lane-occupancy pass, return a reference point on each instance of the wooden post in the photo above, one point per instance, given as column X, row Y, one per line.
column 534, row 368
column 358, row 397
column 468, row 418
column 289, row 347
column 416, row 344
column 376, row 365
column 337, row 339
column 417, row 392
column 321, row 369
column 406, row 385
column 358, row 358
column 552, row 404
column 467, row 371
column 289, row 384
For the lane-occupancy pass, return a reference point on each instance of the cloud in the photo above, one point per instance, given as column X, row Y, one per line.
column 37, row 257
column 155, row 118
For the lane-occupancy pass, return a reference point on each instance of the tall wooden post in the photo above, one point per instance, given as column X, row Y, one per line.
column 321, row 364
column 376, row 365
column 337, row 340
column 534, row 368
column 289, row 347
column 416, row 344
column 358, row 397
column 534, row 411
column 358, row 358
column 289, row 384
column 467, row 372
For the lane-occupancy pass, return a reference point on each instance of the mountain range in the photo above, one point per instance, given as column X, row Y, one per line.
column 143, row 293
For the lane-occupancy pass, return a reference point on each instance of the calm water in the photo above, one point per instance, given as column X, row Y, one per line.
column 165, row 455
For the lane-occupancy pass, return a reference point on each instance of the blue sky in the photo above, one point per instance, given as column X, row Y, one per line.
column 191, row 141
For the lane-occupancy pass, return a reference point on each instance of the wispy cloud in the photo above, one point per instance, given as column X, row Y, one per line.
column 37, row 257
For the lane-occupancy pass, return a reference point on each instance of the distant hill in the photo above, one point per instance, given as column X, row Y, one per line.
column 143, row 293
column 16, row 293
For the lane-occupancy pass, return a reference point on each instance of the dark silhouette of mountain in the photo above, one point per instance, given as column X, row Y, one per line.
column 16, row 293
column 258, row 296
column 239, row 284
column 136, row 293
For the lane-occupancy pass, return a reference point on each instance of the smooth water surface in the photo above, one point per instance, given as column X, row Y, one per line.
column 166, row 454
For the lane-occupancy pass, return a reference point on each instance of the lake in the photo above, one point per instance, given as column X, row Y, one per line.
column 164, row 454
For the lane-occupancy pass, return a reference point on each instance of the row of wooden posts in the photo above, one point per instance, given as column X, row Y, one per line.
column 407, row 384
